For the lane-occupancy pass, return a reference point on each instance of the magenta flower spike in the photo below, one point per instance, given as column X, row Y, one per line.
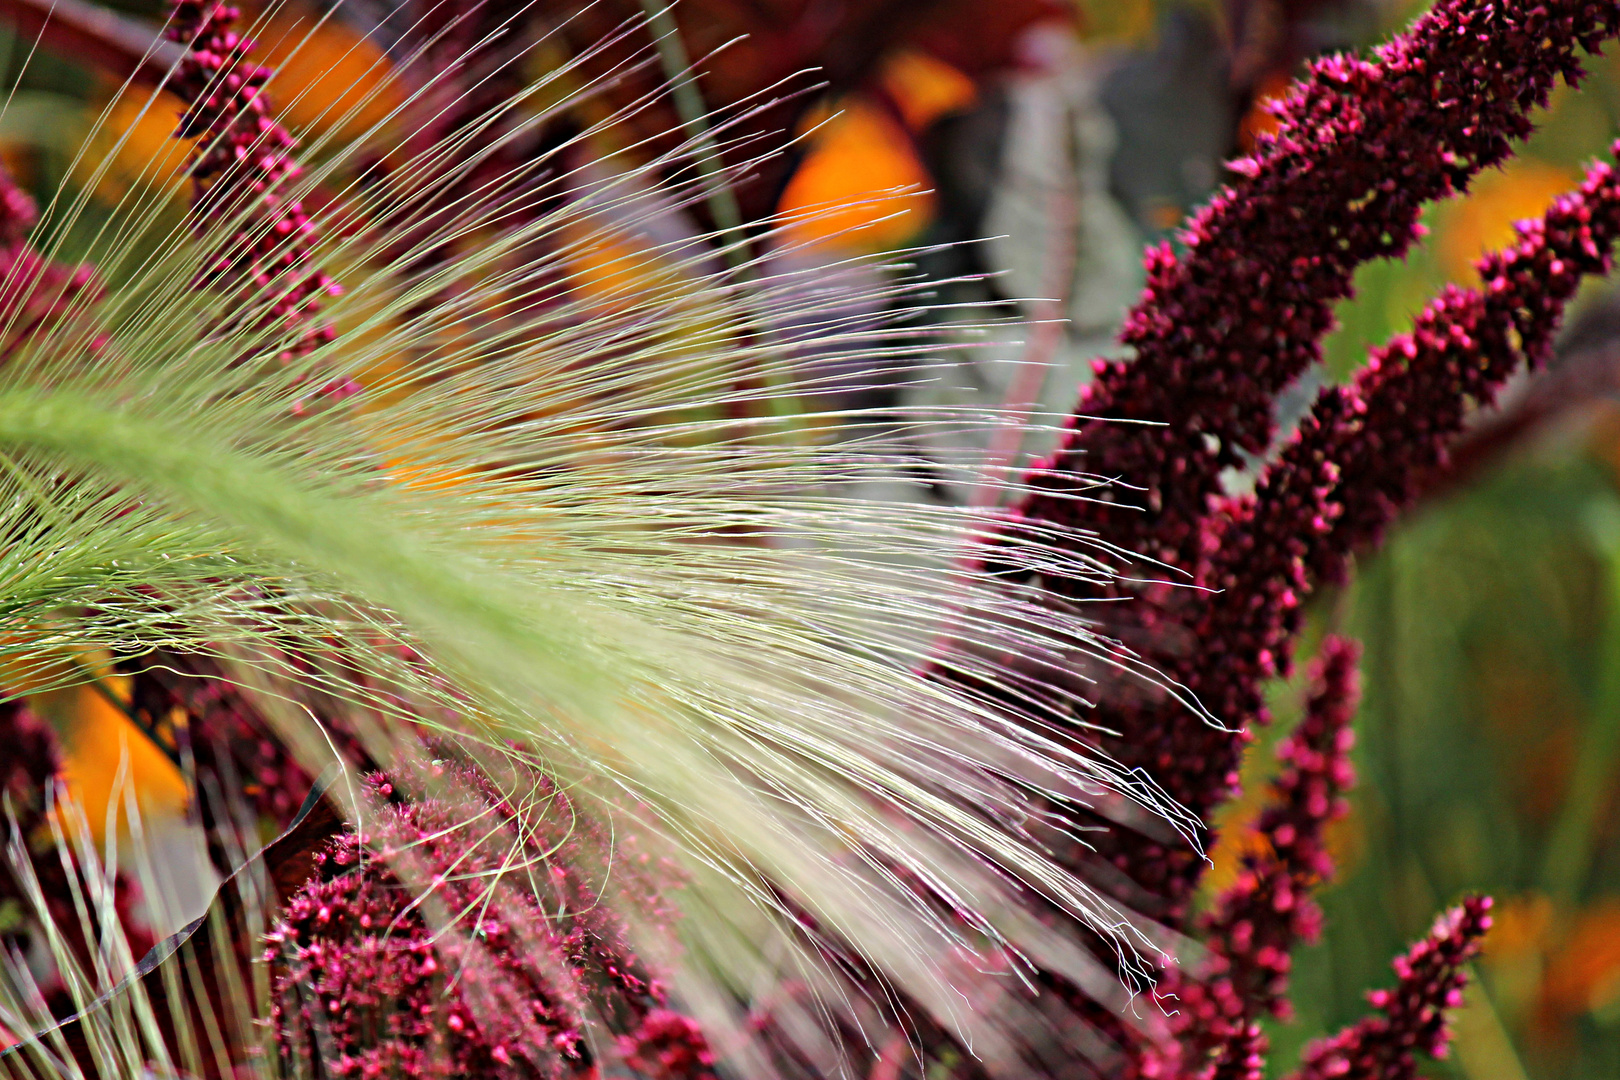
column 36, row 296
column 441, row 943
column 1260, row 918
column 1212, row 1012
column 244, row 162
column 1411, row 1017
column 1367, row 450
column 1237, row 315
column 1415, row 393
column 1361, row 457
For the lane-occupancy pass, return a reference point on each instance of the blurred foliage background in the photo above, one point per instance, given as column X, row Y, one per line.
column 1074, row 131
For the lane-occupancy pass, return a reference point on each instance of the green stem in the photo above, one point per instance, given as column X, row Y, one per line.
column 694, row 114
column 722, row 201
column 1569, row 848
column 1484, row 1047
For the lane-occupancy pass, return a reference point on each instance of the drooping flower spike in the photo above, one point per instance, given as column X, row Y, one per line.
column 1238, row 314
column 1230, row 321
column 1411, row 1016
column 1366, row 451
column 1418, row 391
column 241, row 175
column 1213, row 1009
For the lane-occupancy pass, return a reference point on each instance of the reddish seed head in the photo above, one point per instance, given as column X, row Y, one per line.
column 244, row 153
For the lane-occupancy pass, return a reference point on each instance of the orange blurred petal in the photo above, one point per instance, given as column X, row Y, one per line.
column 1258, row 120
column 925, row 88
column 1520, row 925
column 327, row 76
column 1483, row 221
column 99, row 745
column 138, row 146
column 850, row 191
column 1584, row 973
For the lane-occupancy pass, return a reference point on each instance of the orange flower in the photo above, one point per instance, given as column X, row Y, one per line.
column 324, row 72
column 862, row 187
column 1484, row 220
column 1258, row 120
column 138, row 147
column 102, row 749
column 1583, row 974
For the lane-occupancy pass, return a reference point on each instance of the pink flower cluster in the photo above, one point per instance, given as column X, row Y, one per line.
column 1412, row 1016
column 667, row 1046
column 1390, row 429
column 1270, row 909
column 1252, row 929
column 228, row 740
column 1224, row 325
column 243, row 165
column 37, row 296
column 445, row 941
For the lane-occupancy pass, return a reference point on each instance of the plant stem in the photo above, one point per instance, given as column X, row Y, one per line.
column 694, row 114
column 1569, row 846
column 1484, row 1048
column 87, row 32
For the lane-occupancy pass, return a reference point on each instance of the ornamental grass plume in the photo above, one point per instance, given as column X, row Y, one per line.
column 591, row 534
